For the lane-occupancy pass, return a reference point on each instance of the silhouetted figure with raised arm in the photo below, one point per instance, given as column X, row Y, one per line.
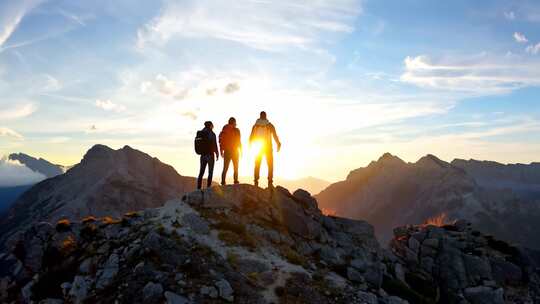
column 230, row 147
column 261, row 138
column 206, row 147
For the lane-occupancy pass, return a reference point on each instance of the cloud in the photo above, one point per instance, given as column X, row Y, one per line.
column 108, row 105
column 231, row 88
column 52, row 84
column 20, row 111
column 11, row 15
column 520, row 38
column 533, row 49
column 261, row 25
column 509, row 15
column 190, row 114
column 481, row 74
column 10, row 133
column 13, row 173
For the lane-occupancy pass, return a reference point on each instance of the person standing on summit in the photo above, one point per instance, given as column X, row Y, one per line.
column 206, row 147
column 230, row 147
column 261, row 138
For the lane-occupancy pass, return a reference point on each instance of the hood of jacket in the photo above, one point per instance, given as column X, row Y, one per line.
column 262, row 122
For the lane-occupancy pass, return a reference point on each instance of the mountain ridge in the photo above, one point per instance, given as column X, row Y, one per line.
column 390, row 192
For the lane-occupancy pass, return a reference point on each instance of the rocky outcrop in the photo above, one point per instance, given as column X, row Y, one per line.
column 233, row 244
column 107, row 182
column 390, row 193
column 456, row 264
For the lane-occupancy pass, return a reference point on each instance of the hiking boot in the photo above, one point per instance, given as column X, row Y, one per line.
column 223, row 183
column 270, row 184
column 236, row 182
column 256, row 183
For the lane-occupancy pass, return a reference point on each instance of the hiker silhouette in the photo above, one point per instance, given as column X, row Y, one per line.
column 206, row 147
column 261, row 139
column 230, row 146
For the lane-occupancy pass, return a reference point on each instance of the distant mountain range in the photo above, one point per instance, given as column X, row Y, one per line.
column 106, row 182
column 38, row 164
column 503, row 200
column 8, row 194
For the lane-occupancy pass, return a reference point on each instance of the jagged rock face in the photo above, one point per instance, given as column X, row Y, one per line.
column 456, row 264
column 233, row 244
column 39, row 165
column 107, row 182
column 390, row 193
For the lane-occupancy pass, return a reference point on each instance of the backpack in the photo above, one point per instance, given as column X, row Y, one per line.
column 202, row 143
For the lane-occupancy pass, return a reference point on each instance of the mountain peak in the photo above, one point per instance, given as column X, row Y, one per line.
column 389, row 159
column 431, row 160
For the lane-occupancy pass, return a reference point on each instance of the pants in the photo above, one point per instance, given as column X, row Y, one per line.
column 206, row 160
column 227, row 157
column 269, row 155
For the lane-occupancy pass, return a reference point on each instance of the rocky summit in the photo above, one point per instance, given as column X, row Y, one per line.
column 234, row 244
column 242, row 244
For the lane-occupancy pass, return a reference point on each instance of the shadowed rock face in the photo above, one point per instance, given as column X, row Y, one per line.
column 390, row 193
column 238, row 244
column 106, row 182
column 457, row 264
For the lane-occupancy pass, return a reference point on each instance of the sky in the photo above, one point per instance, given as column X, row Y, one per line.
column 343, row 81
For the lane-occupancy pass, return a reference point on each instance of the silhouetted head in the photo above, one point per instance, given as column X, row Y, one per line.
column 263, row 115
column 209, row 125
column 232, row 121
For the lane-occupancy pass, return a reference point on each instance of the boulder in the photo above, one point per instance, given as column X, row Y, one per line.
column 173, row 298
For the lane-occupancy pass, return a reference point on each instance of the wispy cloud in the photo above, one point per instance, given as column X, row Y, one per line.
column 11, row 15
column 519, row 37
column 510, row 15
column 258, row 24
column 478, row 74
column 19, row 111
column 10, row 133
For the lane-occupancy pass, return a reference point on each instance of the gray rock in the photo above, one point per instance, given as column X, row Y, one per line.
column 51, row 301
column 400, row 272
column 85, row 266
column 359, row 264
column 26, row 291
column 354, row 276
column 414, row 244
column 432, row 243
column 484, row 295
column 366, row 298
column 109, row 271
column 152, row 292
column 173, row 298
column 66, row 286
column 196, row 223
column 209, row 291
column 330, row 256
column 225, row 290
column 505, row 272
column 79, row 289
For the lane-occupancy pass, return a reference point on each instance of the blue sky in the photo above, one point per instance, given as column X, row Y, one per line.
column 343, row 81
